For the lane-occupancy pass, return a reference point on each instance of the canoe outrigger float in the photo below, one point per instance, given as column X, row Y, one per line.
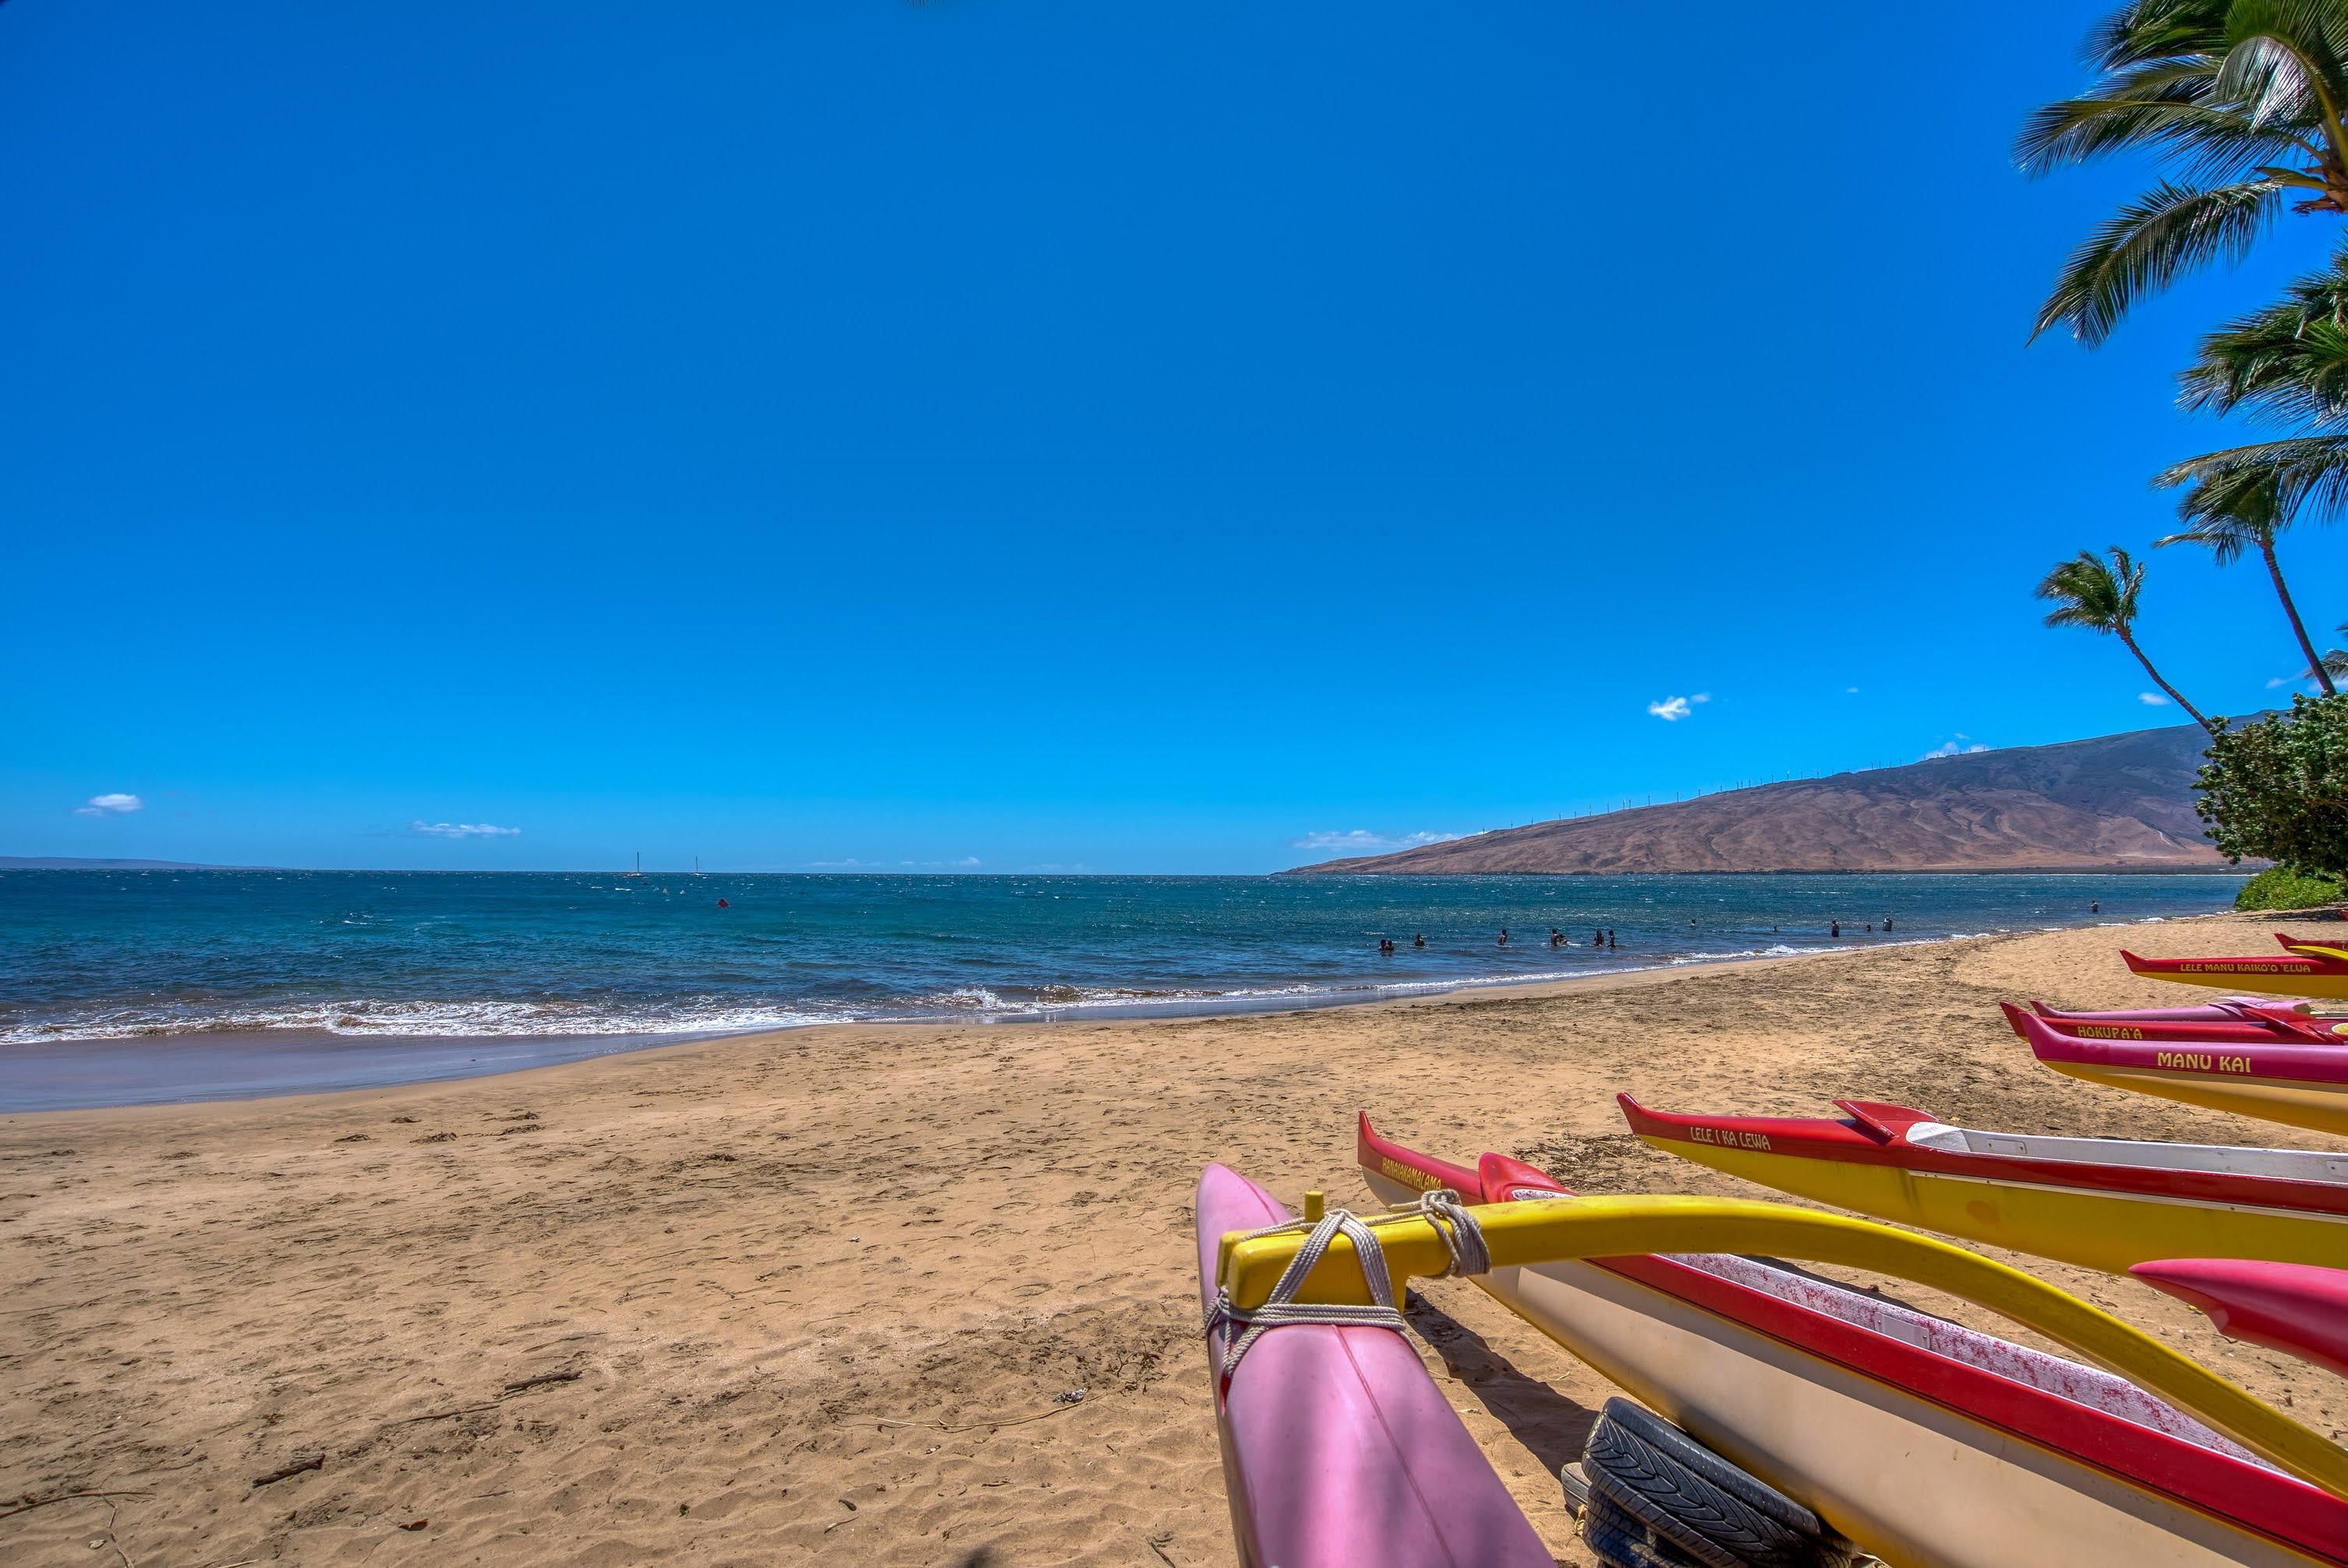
column 2302, row 970
column 1927, row 1443
column 2100, row 1203
column 1338, row 1448
column 2237, row 1020
column 2298, row 1085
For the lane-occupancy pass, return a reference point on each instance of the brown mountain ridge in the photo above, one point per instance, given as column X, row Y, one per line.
column 2116, row 803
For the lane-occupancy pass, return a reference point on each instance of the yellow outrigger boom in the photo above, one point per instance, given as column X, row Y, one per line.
column 1527, row 1233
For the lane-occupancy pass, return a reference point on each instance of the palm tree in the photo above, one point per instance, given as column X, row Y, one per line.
column 2103, row 598
column 2232, row 521
column 2243, row 99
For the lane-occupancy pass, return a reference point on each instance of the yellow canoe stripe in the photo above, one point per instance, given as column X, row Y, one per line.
column 1522, row 1234
column 2311, row 950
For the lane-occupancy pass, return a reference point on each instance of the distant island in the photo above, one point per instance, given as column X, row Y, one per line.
column 85, row 863
column 2118, row 803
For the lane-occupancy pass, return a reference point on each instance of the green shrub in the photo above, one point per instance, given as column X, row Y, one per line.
column 2281, row 887
column 2277, row 788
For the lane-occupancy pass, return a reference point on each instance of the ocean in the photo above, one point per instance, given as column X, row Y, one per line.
column 120, row 987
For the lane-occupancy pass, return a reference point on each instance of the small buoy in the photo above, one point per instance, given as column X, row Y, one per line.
column 723, row 904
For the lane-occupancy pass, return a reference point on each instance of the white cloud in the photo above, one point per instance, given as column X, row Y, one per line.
column 1671, row 710
column 2152, row 699
column 1963, row 746
column 2278, row 680
column 1362, row 841
column 967, row 863
column 460, row 830
column 110, row 806
column 1853, row 690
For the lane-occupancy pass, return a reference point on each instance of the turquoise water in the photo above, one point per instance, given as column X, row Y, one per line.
column 544, row 966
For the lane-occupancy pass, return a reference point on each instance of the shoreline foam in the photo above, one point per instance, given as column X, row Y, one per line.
column 203, row 1065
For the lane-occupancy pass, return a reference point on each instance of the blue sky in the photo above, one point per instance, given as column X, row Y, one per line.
column 1135, row 438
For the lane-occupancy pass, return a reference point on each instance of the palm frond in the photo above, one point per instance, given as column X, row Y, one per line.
column 2304, row 475
column 2088, row 592
column 2228, row 520
column 2276, row 51
column 2149, row 244
column 2266, row 77
column 2288, row 360
column 2145, row 30
column 2206, row 140
column 2171, row 108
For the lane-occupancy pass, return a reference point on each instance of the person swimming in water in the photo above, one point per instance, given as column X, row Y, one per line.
column 1418, row 940
column 1556, row 937
column 1504, row 938
column 1834, row 930
column 1385, row 944
column 1609, row 938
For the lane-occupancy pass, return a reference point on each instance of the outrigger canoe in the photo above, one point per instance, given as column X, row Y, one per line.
column 2291, row 944
column 2298, row 1085
column 2302, row 969
column 1338, row 1448
column 2100, row 1203
column 2237, row 1021
column 1926, row 1443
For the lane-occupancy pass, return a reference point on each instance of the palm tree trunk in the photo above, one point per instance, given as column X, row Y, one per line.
column 2175, row 695
column 2298, row 626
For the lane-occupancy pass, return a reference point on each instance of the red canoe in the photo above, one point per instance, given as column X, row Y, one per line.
column 2237, row 1021
column 1925, row 1442
column 2293, row 1307
column 2299, row 1084
column 2302, row 970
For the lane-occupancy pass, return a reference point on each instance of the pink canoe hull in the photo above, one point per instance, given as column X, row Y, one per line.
column 1338, row 1448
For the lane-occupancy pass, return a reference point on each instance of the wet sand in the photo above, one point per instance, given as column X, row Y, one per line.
column 232, row 1064
column 817, row 1295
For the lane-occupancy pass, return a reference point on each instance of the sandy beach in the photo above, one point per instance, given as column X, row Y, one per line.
column 823, row 1295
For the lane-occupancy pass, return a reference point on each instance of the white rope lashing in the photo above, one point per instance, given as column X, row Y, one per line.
column 1463, row 1239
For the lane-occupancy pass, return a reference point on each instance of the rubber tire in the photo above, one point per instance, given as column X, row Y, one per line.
column 1690, row 1496
column 1618, row 1540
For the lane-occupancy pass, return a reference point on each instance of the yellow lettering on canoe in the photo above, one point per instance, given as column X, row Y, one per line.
column 2109, row 1031
column 1728, row 1137
column 1408, row 1176
column 2200, row 1062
